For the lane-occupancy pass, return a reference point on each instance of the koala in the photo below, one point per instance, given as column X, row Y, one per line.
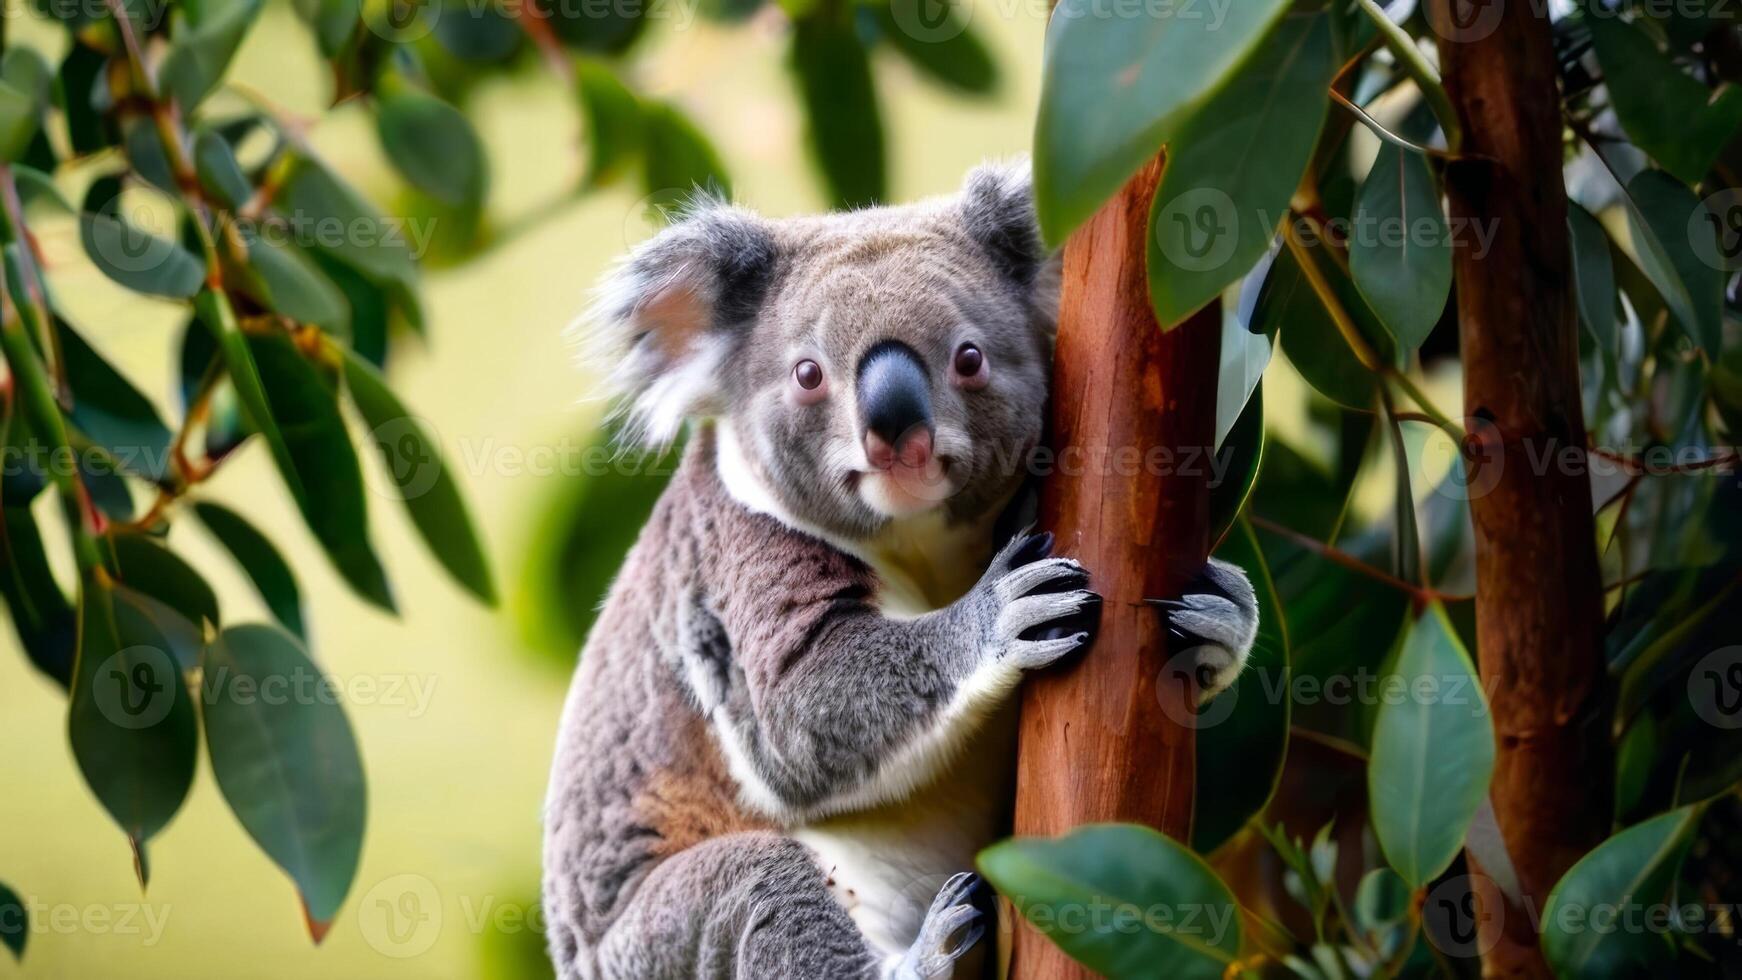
column 791, row 730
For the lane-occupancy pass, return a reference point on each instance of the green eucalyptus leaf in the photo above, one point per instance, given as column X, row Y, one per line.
column 1662, row 213
column 1594, row 274
column 145, row 565
column 413, row 460
column 136, row 259
column 1232, row 169
column 295, row 286
column 613, row 117
column 1242, row 735
column 1634, row 869
column 145, row 152
column 938, row 41
column 334, row 21
column 287, row 765
column 344, row 225
column 46, row 623
column 843, row 121
column 304, row 403
column 213, row 310
column 1242, row 450
column 1310, row 337
column 199, row 56
column 1433, row 752
column 14, row 922
column 677, row 158
column 1053, row 882
column 81, row 73
column 108, row 409
column 219, row 173
column 1115, row 87
column 136, row 611
column 1400, row 253
column 130, row 718
column 259, row 560
column 605, row 29
column 433, row 145
column 1667, row 113
column 38, row 191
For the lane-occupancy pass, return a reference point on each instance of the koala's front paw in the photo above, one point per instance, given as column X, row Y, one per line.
column 952, row 926
column 1215, row 623
column 1044, row 608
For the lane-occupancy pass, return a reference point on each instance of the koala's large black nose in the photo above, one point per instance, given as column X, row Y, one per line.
column 895, row 406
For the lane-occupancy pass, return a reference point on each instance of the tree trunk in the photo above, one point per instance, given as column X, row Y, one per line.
column 1539, row 591
column 1102, row 737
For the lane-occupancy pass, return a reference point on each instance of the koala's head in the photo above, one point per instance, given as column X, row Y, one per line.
column 872, row 365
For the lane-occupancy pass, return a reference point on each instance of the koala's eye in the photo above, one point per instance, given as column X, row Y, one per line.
column 808, row 374
column 970, row 366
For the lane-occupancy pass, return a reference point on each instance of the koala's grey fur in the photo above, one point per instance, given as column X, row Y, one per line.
column 790, row 722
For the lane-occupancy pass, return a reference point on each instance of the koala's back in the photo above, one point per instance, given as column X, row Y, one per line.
column 637, row 775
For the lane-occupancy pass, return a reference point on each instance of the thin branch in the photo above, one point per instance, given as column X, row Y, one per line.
column 1421, row 594
column 1638, row 467
column 1424, row 75
column 1379, row 130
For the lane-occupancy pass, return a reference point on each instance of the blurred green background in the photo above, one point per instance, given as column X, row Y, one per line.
column 455, row 705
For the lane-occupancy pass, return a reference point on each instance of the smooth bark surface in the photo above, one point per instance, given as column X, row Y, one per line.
column 1134, row 415
column 1539, row 599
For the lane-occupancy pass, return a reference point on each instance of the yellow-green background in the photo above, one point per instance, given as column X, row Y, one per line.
column 454, row 793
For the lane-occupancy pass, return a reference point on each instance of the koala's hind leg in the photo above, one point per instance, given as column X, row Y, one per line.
column 755, row 906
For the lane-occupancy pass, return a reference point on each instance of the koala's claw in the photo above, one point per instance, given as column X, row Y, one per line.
column 952, row 926
column 1215, row 623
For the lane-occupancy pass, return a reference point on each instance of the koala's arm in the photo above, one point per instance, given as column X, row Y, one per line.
column 834, row 706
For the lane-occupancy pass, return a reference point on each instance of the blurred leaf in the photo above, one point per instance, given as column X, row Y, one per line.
column 939, row 43
column 586, row 529
column 1400, row 251
column 845, row 126
column 1231, row 170
column 1127, row 867
column 130, row 718
column 145, row 152
column 184, row 639
column 334, row 21
column 368, row 305
column 1114, row 89
column 147, row 566
column 432, row 144
column 413, row 459
column 676, row 157
column 1677, row 120
column 1661, row 212
column 1433, row 752
column 1594, row 275
column 45, row 621
column 38, row 190
column 198, row 56
column 600, row 29
column 1242, row 735
column 288, row 766
column 14, row 922
column 304, row 402
column 259, row 560
column 19, row 114
column 1243, row 450
column 219, row 174
column 295, row 286
column 1382, row 899
column 613, row 120
column 1309, row 336
column 136, row 259
column 110, row 410
column 482, row 34
column 1634, row 869
column 311, row 197
column 81, row 71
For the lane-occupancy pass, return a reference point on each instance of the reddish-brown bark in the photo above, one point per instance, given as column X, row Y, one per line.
column 1539, row 599
column 1097, row 741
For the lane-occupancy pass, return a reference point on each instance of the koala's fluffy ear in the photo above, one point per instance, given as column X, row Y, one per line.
column 998, row 213
column 671, row 315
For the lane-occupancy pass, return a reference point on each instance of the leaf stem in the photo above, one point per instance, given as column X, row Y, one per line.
column 1378, row 129
column 1423, row 595
column 1422, row 73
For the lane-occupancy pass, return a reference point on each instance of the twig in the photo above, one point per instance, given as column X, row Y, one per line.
column 1380, row 131
column 1421, row 594
column 1424, row 75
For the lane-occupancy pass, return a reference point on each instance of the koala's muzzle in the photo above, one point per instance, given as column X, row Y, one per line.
column 895, row 407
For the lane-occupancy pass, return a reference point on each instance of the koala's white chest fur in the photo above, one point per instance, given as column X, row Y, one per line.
column 933, row 805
